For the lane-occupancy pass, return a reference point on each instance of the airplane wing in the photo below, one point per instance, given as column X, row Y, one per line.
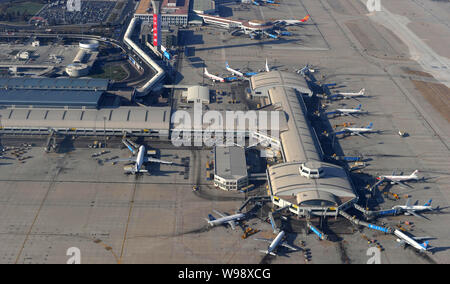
column 408, row 202
column 423, row 238
column 232, row 225
column 362, row 135
column 402, row 184
column 416, row 214
column 153, row 160
column 220, row 214
column 288, row 246
column 351, row 114
column 264, row 240
column 132, row 159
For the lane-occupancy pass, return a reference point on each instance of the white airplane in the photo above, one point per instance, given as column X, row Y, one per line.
column 230, row 220
column 278, row 241
column 292, row 22
column 214, row 77
column 267, row 66
column 234, row 72
column 357, row 130
column 411, row 209
column 393, row 179
column 140, row 159
column 350, row 95
column 307, row 69
column 412, row 241
column 350, row 112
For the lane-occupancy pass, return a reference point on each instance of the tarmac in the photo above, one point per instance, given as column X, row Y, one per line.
column 56, row 201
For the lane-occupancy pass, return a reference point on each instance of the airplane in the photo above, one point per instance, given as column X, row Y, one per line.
column 230, row 220
column 267, row 66
column 278, row 241
column 306, row 69
column 292, row 22
column 361, row 93
column 393, row 179
column 235, row 72
column 349, row 112
column 140, row 158
column 357, row 130
column 404, row 239
column 214, row 77
column 411, row 209
column 238, row 73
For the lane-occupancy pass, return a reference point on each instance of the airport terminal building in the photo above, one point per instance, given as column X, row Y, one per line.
column 173, row 12
column 52, row 92
column 302, row 182
column 230, row 168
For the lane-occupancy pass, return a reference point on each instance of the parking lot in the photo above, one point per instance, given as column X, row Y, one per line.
column 91, row 12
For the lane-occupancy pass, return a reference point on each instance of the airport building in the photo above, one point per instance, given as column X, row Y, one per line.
column 197, row 94
column 204, row 6
column 173, row 12
column 302, row 182
column 52, row 92
column 136, row 121
column 230, row 168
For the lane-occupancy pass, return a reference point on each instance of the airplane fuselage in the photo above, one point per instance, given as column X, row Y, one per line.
column 235, row 72
column 226, row 219
column 400, row 178
column 140, row 158
column 276, row 242
column 359, row 130
column 410, row 241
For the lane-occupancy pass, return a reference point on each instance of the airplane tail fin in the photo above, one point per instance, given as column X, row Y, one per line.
column 211, row 217
column 226, row 64
column 425, row 244
column 428, row 203
column 363, row 91
column 370, row 125
column 206, row 71
column 415, row 172
column 267, row 66
column 359, row 107
column 305, row 19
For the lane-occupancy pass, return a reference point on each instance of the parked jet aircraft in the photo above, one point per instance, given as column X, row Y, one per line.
column 307, row 69
column 292, row 22
column 412, row 241
column 400, row 179
column 140, row 159
column 230, row 220
column 357, row 130
column 349, row 95
column 233, row 71
column 214, row 77
column 275, row 243
column 409, row 209
column 349, row 112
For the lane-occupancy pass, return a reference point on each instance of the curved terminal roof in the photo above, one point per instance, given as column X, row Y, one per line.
column 262, row 82
column 287, row 183
column 300, row 133
column 300, row 146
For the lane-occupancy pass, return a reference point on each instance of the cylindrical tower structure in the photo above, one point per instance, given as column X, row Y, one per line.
column 156, row 23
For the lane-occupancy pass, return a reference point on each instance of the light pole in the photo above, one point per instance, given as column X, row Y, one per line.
column 104, row 131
